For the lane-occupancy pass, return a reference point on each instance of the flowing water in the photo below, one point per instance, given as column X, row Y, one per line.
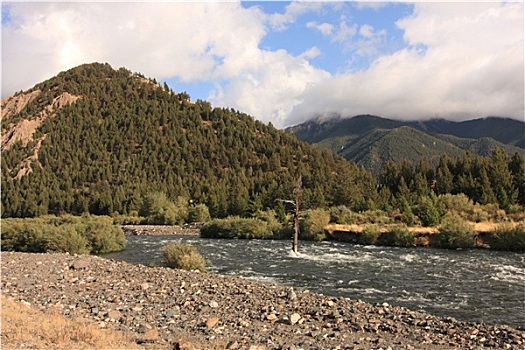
column 470, row 285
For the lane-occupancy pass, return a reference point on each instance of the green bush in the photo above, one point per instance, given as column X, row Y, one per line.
column 199, row 213
column 183, row 256
column 66, row 238
column 398, row 236
column 23, row 235
column 128, row 220
column 236, row 227
column 507, row 236
column 454, row 204
column 312, row 227
column 374, row 217
column 75, row 235
column 478, row 214
column 342, row 215
column 456, row 233
column 369, row 236
column 160, row 210
column 271, row 219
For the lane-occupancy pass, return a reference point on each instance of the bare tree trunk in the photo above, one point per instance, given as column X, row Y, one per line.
column 296, row 231
column 297, row 192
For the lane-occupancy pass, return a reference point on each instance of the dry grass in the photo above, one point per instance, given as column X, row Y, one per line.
column 479, row 227
column 24, row 327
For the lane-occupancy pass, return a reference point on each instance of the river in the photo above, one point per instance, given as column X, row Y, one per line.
column 469, row 285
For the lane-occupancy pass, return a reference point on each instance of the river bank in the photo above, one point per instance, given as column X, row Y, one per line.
column 160, row 306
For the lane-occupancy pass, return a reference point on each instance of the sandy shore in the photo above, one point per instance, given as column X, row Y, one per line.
column 172, row 309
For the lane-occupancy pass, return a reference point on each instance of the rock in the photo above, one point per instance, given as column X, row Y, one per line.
column 232, row 345
column 114, row 314
column 150, row 336
column 294, row 318
column 185, row 345
column 291, row 294
column 212, row 321
column 144, row 327
column 171, row 313
column 214, row 304
column 243, row 323
column 271, row 317
column 144, row 286
column 79, row 264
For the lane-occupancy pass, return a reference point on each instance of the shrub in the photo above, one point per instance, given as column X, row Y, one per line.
column 312, row 226
column 270, row 217
column 160, row 210
column 369, row 236
column 75, row 235
column 236, row 227
column 183, row 256
column 66, row 238
column 399, row 236
column 374, row 217
column 199, row 213
column 478, row 214
column 456, row 233
column 128, row 220
column 455, row 204
column 342, row 215
column 23, row 235
column 507, row 236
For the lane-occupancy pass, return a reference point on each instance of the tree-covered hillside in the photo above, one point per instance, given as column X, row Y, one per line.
column 94, row 139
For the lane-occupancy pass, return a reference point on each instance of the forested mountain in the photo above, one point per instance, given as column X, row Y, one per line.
column 373, row 141
column 95, row 139
column 99, row 140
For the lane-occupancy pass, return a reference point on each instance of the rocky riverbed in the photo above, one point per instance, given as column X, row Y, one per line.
column 193, row 229
column 172, row 309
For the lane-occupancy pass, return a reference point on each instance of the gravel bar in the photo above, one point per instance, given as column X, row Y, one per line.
column 173, row 309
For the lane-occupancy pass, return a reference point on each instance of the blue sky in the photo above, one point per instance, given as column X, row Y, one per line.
column 287, row 62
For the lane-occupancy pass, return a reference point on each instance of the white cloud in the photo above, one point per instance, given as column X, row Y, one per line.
column 325, row 28
column 345, row 32
column 312, row 52
column 472, row 66
column 463, row 60
column 270, row 94
column 280, row 21
column 193, row 41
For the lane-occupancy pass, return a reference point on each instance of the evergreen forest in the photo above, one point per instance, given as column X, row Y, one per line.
column 123, row 137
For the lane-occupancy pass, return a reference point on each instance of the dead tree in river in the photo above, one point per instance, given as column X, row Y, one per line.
column 295, row 202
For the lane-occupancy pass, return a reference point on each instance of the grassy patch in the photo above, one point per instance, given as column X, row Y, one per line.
column 28, row 328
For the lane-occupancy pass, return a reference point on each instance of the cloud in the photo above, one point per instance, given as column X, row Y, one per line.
column 312, row 52
column 461, row 60
column 324, row 28
column 464, row 60
column 270, row 94
column 345, row 32
column 280, row 21
column 193, row 41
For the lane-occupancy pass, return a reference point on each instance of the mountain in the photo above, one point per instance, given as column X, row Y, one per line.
column 95, row 139
column 372, row 141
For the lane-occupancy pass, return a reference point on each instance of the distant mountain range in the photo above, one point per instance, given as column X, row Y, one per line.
column 372, row 141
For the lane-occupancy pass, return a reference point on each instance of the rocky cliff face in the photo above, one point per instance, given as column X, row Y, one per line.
column 23, row 129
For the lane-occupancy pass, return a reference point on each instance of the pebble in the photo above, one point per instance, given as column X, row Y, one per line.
column 156, row 303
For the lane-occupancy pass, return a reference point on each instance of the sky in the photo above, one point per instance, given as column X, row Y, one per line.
column 288, row 62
